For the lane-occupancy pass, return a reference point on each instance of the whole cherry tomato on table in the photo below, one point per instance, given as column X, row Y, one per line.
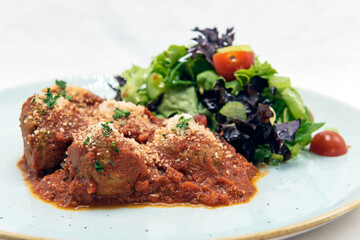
column 226, row 63
column 328, row 143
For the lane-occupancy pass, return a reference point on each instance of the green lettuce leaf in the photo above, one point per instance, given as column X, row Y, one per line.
column 263, row 154
column 179, row 100
column 263, row 70
column 180, row 75
column 206, row 80
column 136, row 88
column 303, row 137
column 171, row 56
column 185, row 73
column 135, row 83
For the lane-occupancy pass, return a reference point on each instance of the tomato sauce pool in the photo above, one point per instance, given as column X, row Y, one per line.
column 32, row 181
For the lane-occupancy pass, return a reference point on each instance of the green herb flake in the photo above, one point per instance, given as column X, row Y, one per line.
column 68, row 97
column 98, row 167
column 120, row 113
column 50, row 100
column 164, row 135
column 43, row 112
column 62, row 93
column 111, row 163
column 107, row 129
column 183, row 123
column 86, row 141
column 61, row 83
column 113, row 143
column 32, row 101
column 116, row 149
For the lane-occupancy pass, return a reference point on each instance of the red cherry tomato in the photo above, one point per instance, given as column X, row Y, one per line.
column 201, row 119
column 328, row 143
column 227, row 63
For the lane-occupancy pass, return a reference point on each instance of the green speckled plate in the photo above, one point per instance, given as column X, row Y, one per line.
column 304, row 193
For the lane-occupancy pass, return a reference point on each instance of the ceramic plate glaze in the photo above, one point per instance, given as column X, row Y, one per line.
column 304, row 193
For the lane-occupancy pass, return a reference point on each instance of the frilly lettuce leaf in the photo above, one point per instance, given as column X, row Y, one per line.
column 206, row 80
column 135, row 79
column 263, row 70
column 170, row 57
column 135, row 89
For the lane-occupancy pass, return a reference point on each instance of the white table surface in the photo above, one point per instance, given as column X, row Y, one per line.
column 316, row 43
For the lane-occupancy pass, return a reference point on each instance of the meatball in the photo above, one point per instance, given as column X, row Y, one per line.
column 48, row 123
column 132, row 121
column 201, row 167
column 102, row 155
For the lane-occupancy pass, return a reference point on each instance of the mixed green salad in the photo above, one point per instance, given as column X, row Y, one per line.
column 228, row 89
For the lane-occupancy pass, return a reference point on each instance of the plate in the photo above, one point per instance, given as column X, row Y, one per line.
column 302, row 194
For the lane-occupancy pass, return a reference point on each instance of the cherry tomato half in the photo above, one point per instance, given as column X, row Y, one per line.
column 201, row 119
column 328, row 143
column 227, row 63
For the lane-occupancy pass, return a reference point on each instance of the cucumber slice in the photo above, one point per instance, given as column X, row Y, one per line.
column 294, row 103
column 234, row 110
column 279, row 82
column 238, row 48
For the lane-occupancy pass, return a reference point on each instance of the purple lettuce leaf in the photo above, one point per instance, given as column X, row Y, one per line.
column 209, row 41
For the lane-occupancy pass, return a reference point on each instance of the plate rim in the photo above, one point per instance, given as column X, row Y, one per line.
column 287, row 231
column 282, row 232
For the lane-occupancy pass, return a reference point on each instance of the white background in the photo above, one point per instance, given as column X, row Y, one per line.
column 316, row 43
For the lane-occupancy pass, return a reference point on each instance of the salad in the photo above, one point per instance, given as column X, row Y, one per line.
column 228, row 89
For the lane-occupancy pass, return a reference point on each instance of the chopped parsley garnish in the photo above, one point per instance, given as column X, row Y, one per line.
column 164, row 135
column 116, row 149
column 122, row 124
column 50, row 100
column 62, row 93
column 68, row 97
column 107, row 129
column 111, row 163
column 43, row 112
column 32, row 101
column 61, row 83
column 98, row 167
column 183, row 123
column 120, row 113
column 86, row 141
